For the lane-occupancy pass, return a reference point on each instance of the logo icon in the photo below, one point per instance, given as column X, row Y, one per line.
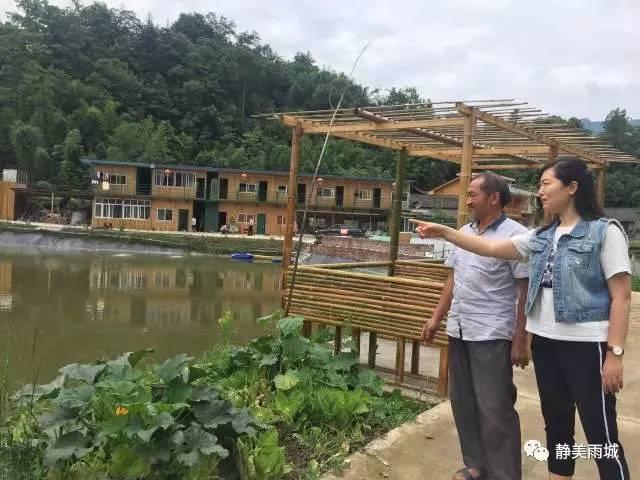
column 533, row 448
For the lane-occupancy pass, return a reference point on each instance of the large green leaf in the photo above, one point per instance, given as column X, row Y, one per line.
column 84, row 372
column 369, row 380
column 76, row 397
column 289, row 404
column 214, row 413
column 242, row 422
column 269, row 458
column 58, row 417
column 290, row 326
column 49, row 390
column 121, row 367
column 343, row 362
column 174, row 367
column 295, row 349
column 127, row 464
column 195, row 438
column 268, row 360
column 204, row 394
column 287, row 381
column 72, row 445
column 177, row 391
column 161, row 422
column 114, row 425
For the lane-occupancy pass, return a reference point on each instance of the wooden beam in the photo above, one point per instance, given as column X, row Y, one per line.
column 290, row 216
column 531, row 166
column 600, row 186
column 499, row 151
column 526, row 132
column 396, row 209
column 465, row 168
column 395, row 145
column 318, row 128
column 370, row 140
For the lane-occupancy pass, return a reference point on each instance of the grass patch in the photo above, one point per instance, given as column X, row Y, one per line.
column 635, row 284
column 281, row 407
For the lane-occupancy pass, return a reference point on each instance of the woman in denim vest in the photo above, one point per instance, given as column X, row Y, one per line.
column 577, row 312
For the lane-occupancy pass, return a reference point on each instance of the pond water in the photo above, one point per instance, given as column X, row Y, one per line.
column 62, row 308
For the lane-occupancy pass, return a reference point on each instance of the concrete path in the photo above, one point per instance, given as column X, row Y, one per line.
column 428, row 449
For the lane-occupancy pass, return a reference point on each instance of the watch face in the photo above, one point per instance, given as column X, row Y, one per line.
column 617, row 350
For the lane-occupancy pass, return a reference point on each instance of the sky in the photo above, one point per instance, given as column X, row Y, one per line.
column 572, row 57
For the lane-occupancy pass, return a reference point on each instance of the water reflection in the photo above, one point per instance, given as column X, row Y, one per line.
column 58, row 309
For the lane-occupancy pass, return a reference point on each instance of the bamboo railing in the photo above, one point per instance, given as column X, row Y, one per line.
column 395, row 307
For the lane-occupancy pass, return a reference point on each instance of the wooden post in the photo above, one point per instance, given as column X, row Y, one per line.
column 337, row 341
column 553, row 155
column 373, row 349
column 415, row 357
column 443, row 375
column 396, row 209
column 400, row 354
column 600, row 185
column 465, row 168
column 290, row 215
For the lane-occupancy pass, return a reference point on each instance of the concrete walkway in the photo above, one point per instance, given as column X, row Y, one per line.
column 428, row 449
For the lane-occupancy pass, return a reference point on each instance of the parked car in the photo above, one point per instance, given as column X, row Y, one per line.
column 339, row 230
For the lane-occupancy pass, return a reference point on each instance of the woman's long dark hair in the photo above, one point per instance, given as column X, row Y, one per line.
column 572, row 169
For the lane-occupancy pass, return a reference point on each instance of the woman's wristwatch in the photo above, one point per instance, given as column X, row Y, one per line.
column 617, row 350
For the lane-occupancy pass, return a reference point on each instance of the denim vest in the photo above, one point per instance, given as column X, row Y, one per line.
column 580, row 290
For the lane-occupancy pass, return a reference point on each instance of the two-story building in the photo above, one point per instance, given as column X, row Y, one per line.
column 167, row 198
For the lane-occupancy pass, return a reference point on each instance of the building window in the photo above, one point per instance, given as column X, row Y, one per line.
column 326, row 193
column 280, row 220
column 248, row 188
column 282, row 189
column 118, row 179
column 136, row 209
column 169, row 178
column 108, row 208
column 185, row 179
column 363, row 194
column 165, row 214
column 245, row 218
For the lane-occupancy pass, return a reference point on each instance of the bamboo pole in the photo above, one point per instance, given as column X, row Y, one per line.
column 396, row 213
column 400, row 354
column 600, row 185
column 290, row 216
column 415, row 357
column 465, row 168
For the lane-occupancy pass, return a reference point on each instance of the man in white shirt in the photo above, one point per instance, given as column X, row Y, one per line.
column 487, row 338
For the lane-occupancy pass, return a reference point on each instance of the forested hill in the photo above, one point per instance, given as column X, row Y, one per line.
column 101, row 82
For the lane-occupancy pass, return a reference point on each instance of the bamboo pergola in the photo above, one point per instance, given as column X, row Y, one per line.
column 477, row 135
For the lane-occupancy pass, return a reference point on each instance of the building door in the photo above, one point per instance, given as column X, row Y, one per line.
column 183, row 220
column 143, row 181
column 224, row 188
column 377, row 197
column 339, row 196
column 222, row 218
column 262, row 191
column 261, row 224
column 200, row 186
column 214, row 189
column 302, row 193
